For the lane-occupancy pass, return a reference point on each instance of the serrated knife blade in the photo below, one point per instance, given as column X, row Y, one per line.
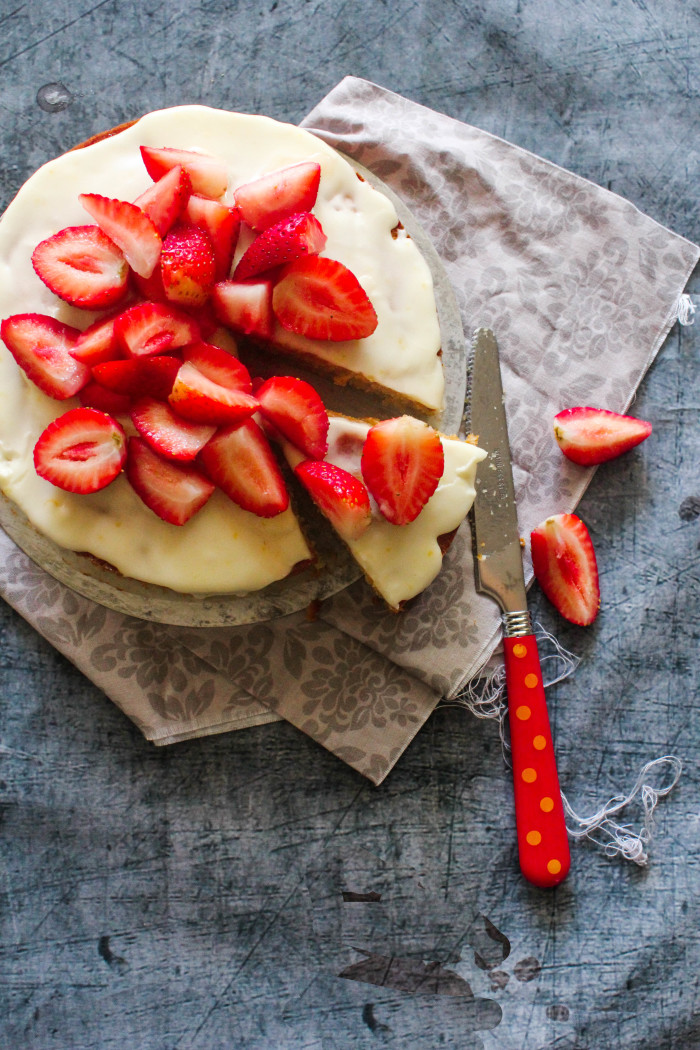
column 543, row 845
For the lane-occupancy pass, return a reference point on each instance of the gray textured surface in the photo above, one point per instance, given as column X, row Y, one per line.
column 192, row 897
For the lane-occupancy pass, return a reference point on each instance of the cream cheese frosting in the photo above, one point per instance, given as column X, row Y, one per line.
column 400, row 561
column 223, row 549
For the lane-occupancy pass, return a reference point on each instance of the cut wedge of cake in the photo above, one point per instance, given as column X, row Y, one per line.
column 399, row 561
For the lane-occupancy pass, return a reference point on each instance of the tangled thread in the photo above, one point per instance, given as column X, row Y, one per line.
column 486, row 698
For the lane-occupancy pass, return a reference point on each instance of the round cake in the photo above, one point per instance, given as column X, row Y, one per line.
column 223, row 548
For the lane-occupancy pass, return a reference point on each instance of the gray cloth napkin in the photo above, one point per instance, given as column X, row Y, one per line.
column 581, row 290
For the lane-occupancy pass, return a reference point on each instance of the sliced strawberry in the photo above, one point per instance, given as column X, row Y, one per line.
column 340, row 496
column 154, row 328
column 240, row 461
column 83, row 267
column 129, row 228
column 205, row 318
column 208, row 174
column 402, row 463
column 94, row 395
column 139, row 376
column 565, row 565
column 223, row 226
column 81, row 451
column 296, row 410
column 187, row 266
column 279, row 194
column 165, row 201
column 219, row 365
column 167, row 433
column 97, row 343
column 173, row 491
column 321, row 299
column 150, row 288
column 42, row 346
column 594, row 435
column 199, row 399
column 282, row 243
column 245, row 306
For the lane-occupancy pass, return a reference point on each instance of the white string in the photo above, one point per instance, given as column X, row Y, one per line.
column 486, row 697
column 685, row 310
column 621, row 839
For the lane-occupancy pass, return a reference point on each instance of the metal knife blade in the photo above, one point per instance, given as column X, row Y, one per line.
column 497, row 551
column 542, row 837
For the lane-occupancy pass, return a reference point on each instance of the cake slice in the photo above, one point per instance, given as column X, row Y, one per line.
column 399, row 561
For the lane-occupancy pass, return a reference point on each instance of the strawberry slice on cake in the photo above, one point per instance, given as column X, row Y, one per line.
column 82, row 266
column 277, row 195
column 81, row 451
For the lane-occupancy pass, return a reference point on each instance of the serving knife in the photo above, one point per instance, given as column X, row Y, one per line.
column 543, row 845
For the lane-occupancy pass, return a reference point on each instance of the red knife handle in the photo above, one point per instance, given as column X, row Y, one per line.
column 543, row 843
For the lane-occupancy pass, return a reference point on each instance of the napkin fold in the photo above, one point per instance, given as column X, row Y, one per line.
column 581, row 290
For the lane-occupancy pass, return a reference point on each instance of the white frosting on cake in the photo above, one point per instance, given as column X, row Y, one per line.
column 402, row 560
column 222, row 549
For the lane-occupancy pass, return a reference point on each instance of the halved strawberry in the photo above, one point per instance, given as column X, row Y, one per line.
column 42, row 346
column 219, row 365
column 165, row 201
column 339, row 495
column 150, row 288
column 321, row 299
column 296, row 410
column 129, row 228
column 83, row 267
column 291, row 239
column 139, row 376
column 240, row 461
column 173, row 491
column 594, row 435
column 167, row 433
column 187, row 266
column 94, row 395
column 199, row 399
column 208, row 174
column 153, row 328
column 278, row 194
column 223, row 225
column 402, row 463
column 205, row 318
column 245, row 306
column 565, row 565
column 97, row 343
column 81, row 451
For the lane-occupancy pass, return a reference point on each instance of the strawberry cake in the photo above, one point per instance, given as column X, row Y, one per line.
column 133, row 269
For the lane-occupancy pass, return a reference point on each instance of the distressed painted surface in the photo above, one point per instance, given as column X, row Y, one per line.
column 194, row 897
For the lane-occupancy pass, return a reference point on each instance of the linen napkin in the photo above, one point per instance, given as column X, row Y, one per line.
column 581, row 290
